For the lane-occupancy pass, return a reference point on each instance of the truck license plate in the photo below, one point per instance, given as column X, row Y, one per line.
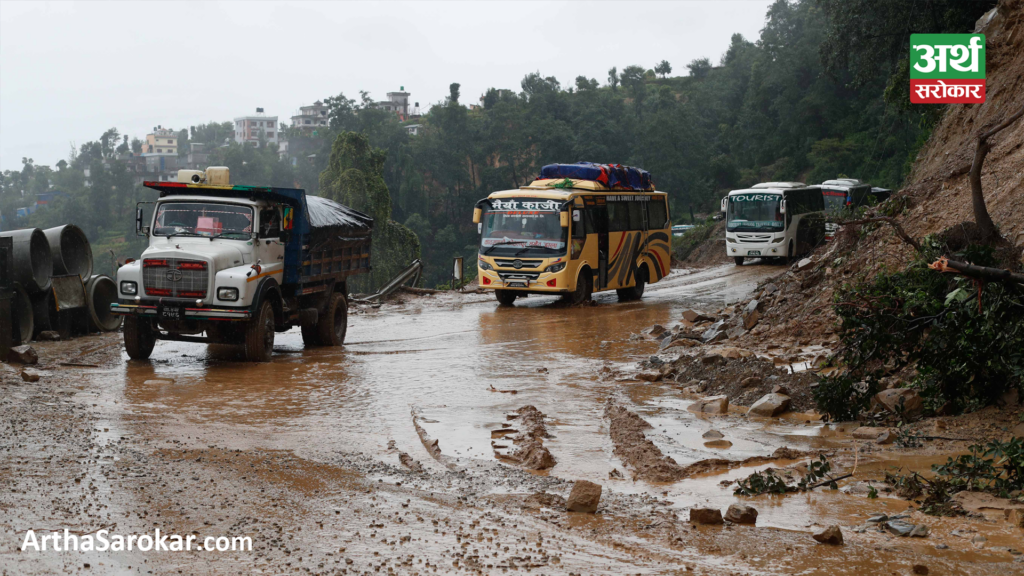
column 171, row 313
column 516, row 284
column 753, row 252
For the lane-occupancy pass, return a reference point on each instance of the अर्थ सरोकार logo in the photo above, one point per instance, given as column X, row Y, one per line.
column 947, row 68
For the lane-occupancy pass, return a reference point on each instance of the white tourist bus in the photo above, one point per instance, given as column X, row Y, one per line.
column 775, row 220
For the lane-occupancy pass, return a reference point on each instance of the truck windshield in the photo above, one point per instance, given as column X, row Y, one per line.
column 203, row 219
column 522, row 225
column 755, row 213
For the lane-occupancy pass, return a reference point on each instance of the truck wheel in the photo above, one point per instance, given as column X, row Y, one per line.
column 259, row 335
column 139, row 338
column 331, row 328
column 505, row 297
column 309, row 335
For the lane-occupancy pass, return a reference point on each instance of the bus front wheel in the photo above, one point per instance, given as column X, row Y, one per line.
column 739, row 260
column 582, row 292
column 505, row 297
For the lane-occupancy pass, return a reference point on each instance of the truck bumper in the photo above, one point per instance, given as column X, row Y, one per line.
column 153, row 311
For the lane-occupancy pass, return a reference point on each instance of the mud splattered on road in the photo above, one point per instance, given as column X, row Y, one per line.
column 380, row 457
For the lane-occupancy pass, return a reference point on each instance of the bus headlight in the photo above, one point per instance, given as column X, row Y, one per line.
column 129, row 288
column 555, row 268
column 227, row 294
column 484, row 265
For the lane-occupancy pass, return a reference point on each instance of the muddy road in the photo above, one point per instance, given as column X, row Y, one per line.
column 391, row 455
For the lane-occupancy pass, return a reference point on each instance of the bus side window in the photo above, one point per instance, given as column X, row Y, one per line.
column 636, row 215
column 618, row 216
column 658, row 215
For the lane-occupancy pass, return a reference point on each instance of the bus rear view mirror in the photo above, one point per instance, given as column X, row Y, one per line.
column 575, row 215
column 479, row 227
column 724, row 203
column 477, row 213
column 782, row 207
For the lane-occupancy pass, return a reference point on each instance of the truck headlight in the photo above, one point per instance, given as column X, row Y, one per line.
column 555, row 268
column 130, row 288
column 227, row 294
column 484, row 265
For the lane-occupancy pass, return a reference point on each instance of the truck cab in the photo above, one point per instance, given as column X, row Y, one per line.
column 233, row 264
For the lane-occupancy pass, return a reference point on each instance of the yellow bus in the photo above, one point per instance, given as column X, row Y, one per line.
column 572, row 237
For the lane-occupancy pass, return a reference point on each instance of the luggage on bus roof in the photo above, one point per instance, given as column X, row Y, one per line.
column 610, row 175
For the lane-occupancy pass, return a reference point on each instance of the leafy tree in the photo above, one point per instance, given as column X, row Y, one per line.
column 613, row 78
column 355, row 178
column 699, row 68
column 663, row 68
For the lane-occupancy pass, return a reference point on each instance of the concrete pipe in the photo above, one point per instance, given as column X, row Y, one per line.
column 22, row 318
column 100, row 293
column 71, row 251
column 33, row 262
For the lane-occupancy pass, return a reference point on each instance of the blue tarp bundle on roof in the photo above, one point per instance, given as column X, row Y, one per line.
column 611, row 175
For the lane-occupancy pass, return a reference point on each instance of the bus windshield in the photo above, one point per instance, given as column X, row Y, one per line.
column 755, row 212
column 522, row 225
column 203, row 219
column 835, row 199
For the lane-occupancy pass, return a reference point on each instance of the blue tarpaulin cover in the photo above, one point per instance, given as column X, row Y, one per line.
column 611, row 175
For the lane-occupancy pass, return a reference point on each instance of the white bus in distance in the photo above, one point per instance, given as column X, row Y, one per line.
column 774, row 220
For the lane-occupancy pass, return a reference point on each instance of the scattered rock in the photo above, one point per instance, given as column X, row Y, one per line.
column 831, row 535
column 712, row 435
column 979, row 541
column 899, row 527
column 751, row 382
column 409, row 463
column 23, row 355
column 741, row 514
column 1015, row 516
column 695, row 317
column 48, row 335
column 684, row 342
column 750, row 318
column 919, row 531
column 780, row 389
column 920, row 569
column 712, row 405
column 913, row 405
column 770, row 405
column 615, row 474
column 29, row 375
column 718, row 444
column 804, row 264
column 544, row 500
column 706, row 516
column 879, row 518
column 584, row 497
column 887, row 437
column 770, row 289
column 712, row 359
column 734, row 332
column 649, row 376
column 715, row 332
column 657, row 330
column 733, row 353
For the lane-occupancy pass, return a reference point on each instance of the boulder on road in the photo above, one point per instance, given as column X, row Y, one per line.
column 751, row 382
column 715, row 332
column 649, row 376
column 712, row 405
column 741, row 514
column 695, row 317
column 656, row 330
column 891, row 400
column 831, row 535
column 706, row 516
column 804, row 264
column 750, row 318
column 30, row 375
column 770, row 405
column 584, row 497
column 23, row 355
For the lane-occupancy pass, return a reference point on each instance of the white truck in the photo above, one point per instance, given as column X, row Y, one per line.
column 236, row 264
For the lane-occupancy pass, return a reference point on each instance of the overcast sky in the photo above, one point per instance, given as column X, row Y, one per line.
column 69, row 71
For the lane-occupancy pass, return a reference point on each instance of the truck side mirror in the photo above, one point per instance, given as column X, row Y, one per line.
column 140, row 230
column 563, row 219
column 477, row 214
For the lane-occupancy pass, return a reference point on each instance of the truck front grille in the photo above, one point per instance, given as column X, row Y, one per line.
column 175, row 278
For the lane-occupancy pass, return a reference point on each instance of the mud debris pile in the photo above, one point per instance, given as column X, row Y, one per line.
column 528, row 440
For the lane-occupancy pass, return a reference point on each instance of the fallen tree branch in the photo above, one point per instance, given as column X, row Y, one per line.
column 829, row 481
column 981, row 215
column 891, row 221
column 978, row 272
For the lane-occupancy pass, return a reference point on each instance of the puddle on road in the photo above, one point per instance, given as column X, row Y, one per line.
column 449, row 365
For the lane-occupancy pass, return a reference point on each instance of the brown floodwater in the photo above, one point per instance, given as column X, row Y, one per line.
column 457, row 365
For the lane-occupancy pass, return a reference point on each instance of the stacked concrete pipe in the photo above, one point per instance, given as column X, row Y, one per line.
column 70, row 251
column 23, row 321
column 100, row 293
column 33, row 261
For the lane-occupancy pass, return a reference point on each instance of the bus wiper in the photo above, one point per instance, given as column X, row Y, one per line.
column 489, row 248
